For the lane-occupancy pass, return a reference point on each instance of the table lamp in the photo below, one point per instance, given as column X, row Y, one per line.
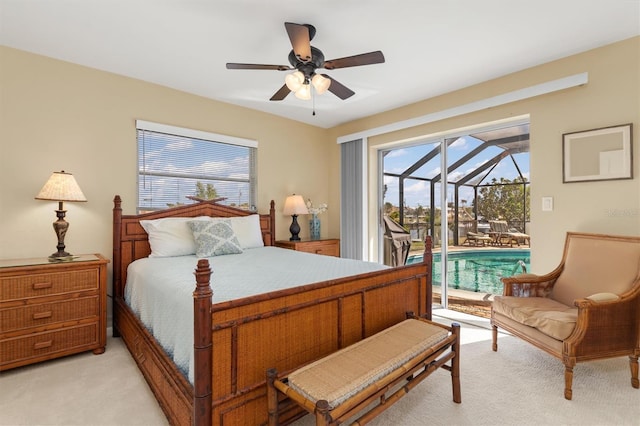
column 295, row 205
column 61, row 187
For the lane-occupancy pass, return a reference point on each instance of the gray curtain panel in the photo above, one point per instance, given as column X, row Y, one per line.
column 351, row 208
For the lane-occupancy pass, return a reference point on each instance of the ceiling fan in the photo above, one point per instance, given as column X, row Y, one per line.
column 306, row 59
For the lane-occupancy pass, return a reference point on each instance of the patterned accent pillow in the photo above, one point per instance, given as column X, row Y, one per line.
column 214, row 238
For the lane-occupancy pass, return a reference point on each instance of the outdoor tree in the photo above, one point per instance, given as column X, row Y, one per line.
column 388, row 207
column 504, row 199
column 205, row 192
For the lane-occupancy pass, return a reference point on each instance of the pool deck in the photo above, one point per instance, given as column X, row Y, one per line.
column 475, row 248
column 469, row 302
column 466, row 295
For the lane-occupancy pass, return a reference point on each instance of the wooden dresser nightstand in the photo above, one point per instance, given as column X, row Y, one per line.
column 328, row 247
column 48, row 310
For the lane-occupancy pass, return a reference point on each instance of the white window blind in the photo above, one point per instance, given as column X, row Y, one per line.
column 178, row 166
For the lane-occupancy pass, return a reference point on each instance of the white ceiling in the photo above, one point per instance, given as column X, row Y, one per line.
column 431, row 46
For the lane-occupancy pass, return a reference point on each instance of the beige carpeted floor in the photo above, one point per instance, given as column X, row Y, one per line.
column 518, row 385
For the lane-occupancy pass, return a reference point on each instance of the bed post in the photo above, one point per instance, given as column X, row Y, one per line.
column 202, row 345
column 116, row 283
column 427, row 259
column 272, row 222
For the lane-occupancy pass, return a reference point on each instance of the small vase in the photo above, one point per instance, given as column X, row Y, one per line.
column 314, row 227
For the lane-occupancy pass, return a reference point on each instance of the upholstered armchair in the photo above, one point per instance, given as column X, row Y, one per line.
column 587, row 308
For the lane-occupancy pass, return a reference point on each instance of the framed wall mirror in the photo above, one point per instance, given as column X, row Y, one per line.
column 597, row 154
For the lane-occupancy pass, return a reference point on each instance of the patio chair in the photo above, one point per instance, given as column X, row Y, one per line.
column 397, row 243
column 477, row 238
column 503, row 235
column 583, row 310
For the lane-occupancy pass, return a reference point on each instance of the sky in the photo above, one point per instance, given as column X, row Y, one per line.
column 417, row 191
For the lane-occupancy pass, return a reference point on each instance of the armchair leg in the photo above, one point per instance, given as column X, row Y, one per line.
column 633, row 363
column 494, row 337
column 568, row 381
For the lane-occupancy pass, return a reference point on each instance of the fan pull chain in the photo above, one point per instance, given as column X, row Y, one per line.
column 313, row 101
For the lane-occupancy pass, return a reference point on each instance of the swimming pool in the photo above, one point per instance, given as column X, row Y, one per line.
column 478, row 270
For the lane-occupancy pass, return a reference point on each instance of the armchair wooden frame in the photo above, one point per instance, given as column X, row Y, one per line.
column 604, row 329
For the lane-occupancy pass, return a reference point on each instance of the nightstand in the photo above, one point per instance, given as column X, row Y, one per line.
column 49, row 310
column 328, row 247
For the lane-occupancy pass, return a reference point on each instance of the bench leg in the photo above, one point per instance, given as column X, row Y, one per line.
column 455, row 364
column 494, row 338
column 322, row 413
column 272, row 397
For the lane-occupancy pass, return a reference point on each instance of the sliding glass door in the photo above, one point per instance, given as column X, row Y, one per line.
column 451, row 189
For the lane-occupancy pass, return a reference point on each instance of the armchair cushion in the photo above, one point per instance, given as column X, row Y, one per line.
column 546, row 315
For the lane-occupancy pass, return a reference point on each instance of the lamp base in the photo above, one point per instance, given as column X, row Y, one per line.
column 294, row 228
column 61, row 257
column 60, row 226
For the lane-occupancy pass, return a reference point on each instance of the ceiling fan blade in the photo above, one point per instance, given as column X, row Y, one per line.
column 281, row 94
column 353, row 61
column 234, row 66
column 300, row 40
column 338, row 89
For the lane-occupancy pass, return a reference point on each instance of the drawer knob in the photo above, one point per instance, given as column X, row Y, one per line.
column 42, row 315
column 42, row 345
column 40, row 286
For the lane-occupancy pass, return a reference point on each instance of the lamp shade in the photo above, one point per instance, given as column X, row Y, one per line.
column 294, row 80
column 295, row 205
column 304, row 92
column 320, row 83
column 61, row 186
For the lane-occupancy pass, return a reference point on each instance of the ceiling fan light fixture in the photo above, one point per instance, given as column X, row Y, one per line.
column 294, row 81
column 304, row 60
column 304, row 92
column 320, row 83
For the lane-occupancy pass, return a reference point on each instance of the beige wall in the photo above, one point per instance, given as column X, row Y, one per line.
column 55, row 115
column 60, row 116
column 611, row 97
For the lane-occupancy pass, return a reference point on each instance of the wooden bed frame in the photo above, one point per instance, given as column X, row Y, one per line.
column 235, row 342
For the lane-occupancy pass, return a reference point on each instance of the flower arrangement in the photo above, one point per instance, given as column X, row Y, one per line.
column 316, row 210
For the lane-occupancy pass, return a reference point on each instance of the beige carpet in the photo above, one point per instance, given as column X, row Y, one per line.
column 83, row 389
column 518, row 385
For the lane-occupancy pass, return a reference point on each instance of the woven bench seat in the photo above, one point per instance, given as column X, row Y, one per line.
column 339, row 385
column 342, row 374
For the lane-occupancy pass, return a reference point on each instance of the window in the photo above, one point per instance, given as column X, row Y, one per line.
column 179, row 166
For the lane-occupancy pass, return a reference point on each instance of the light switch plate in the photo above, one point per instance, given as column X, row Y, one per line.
column 547, row 204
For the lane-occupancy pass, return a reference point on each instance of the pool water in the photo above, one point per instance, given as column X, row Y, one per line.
column 478, row 271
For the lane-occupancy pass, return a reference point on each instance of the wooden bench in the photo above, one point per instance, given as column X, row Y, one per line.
column 382, row 367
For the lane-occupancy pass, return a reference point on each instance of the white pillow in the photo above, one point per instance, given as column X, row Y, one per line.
column 214, row 238
column 247, row 229
column 171, row 236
